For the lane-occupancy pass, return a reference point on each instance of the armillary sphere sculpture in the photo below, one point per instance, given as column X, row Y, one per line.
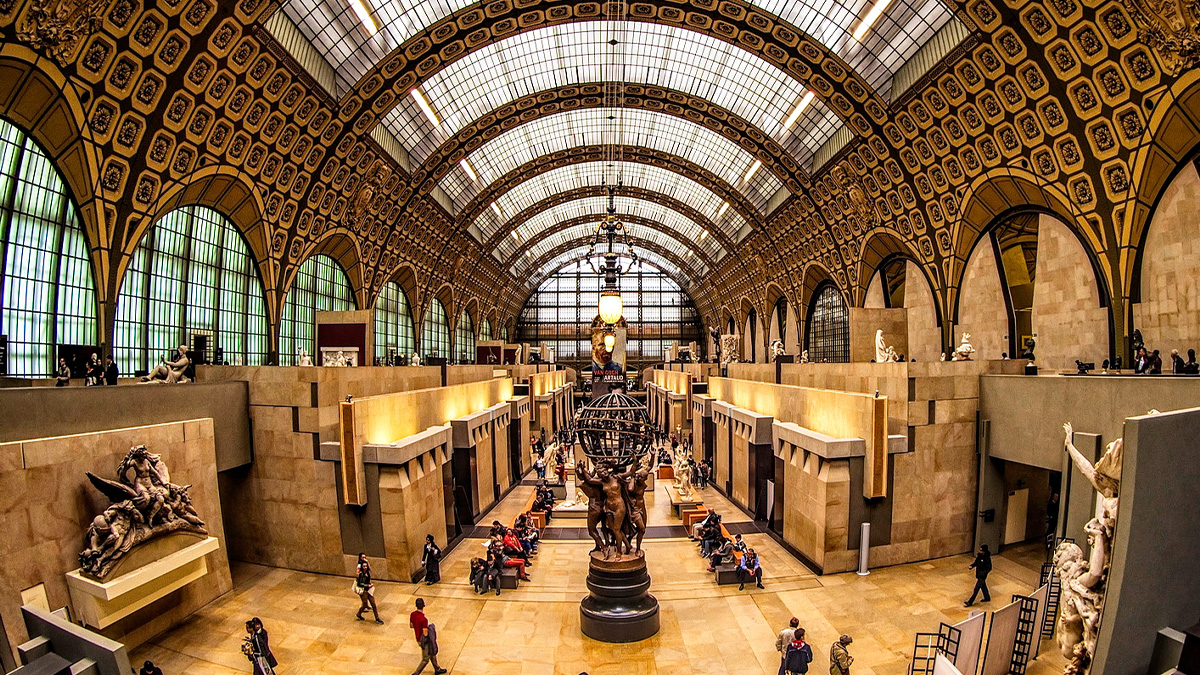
column 615, row 436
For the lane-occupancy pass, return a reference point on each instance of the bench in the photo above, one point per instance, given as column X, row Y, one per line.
column 509, row 579
column 538, row 518
column 694, row 515
column 727, row 574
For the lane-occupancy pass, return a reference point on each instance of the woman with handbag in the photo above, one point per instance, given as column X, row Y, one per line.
column 365, row 589
column 257, row 648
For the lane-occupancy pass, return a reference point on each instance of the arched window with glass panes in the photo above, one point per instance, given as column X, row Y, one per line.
column 47, row 291
column 435, row 331
column 485, row 330
column 320, row 285
column 464, row 339
column 394, row 334
column 828, row 336
column 191, row 282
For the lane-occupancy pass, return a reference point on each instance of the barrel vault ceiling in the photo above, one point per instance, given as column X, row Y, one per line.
column 461, row 148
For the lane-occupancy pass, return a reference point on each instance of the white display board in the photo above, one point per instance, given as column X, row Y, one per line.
column 1001, row 639
column 1041, row 595
column 942, row 666
column 970, row 641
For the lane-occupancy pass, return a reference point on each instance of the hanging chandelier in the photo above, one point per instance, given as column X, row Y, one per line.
column 606, row 263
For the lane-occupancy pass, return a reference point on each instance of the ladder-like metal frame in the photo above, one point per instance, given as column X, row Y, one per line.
column 1026, row 627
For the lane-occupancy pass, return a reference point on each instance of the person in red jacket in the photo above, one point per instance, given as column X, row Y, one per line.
column 426, row 638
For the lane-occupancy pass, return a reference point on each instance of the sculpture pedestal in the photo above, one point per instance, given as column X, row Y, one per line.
column 618, row 608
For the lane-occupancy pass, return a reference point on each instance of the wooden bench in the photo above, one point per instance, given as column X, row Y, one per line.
column 509, row 578
column 693, row 516
column 538, row 518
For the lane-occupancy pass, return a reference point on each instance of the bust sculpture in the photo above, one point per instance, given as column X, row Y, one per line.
column 964, row 350
column 1083, row 578
column 146, row 506
column 415, row 360
column 170, row 372
column 303, row 358
column 804, row 356
column 777, row 349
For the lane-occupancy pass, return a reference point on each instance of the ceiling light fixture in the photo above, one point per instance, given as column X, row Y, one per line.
column 364, row 15
column 787, row 124
column 610, row 307
column 470, row 172
column 499, row 213
column 751, row 171
column 872, row 17
column 721, row 211
column 703, row 234
column 423, row 104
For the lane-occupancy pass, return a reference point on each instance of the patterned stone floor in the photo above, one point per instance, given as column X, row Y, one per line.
column 535, row 629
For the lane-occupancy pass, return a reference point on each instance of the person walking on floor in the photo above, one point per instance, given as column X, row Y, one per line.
column 784, row 639
column 982, row 566
column 426, row 637
column 839, row 656
column 365, row 588
column 798, row 655
column 432, row 560
column 257, row 647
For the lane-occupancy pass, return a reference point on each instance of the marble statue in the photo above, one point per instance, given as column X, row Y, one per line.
column 170, row 372
column 683, row 473
column 303, row 358
column 517, row 355
column 146, row 506
column 964, row 350
column 1083, row 578
column 884, row 353
column 777, row 349
column 415, row 360
column 729, row 349
column 942, row 357
column 335, row 359
column 804, row 356
column 551, row 460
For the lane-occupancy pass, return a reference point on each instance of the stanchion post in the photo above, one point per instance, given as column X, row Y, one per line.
column 864, row 549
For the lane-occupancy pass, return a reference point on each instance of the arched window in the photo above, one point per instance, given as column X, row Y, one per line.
column 320, row 286
column 828, row 335
column 752, row 335
column 435, row 331
column 394, row 334
column 464, row 339
column 191, row 275
column 504, row 333
column 485, row 330
column 47, row 293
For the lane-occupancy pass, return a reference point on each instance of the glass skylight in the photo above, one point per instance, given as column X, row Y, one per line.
column 652, row 262
column 569, row 54
column 337, row 33
column 583, row 233
column 626, row 206
column 642, row 128
column 644, row 176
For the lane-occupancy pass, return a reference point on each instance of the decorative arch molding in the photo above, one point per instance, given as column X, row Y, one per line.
column 598, row 191
column 343, row 248
column 587, row 220
column 735, row 22
column 881, row 246
column 584, row 96
column 1171, row 139
column 448, row 296
column 813, row 276
column 595, row 153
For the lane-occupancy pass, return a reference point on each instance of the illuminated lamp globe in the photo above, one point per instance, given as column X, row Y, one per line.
column 610, row 306
column 610, row 341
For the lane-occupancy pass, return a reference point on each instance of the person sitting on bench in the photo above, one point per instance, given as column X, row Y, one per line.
column 527, row 533
column 721, row 555
column 739, row 546
column 707, row 520
column 495, row 564
column 709, row 538
column 482, row 577
column 749, row 567
column 513, row 546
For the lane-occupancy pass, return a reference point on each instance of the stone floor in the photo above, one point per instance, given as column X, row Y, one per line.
column 535, row 629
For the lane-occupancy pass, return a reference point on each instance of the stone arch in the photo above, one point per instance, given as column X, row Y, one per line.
column 342, row 247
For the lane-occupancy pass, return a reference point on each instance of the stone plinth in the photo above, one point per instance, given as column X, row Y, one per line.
column 618, row 607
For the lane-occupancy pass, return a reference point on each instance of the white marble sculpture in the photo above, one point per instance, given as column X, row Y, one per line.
column 303, row 359
column 777, row 349
column 943, row 357
column 170, row 372
column 729, row 349
column 964, row 350
column 804, row 356
column 884, row 353
column 334, row 359
column 683, row 473
column 415, row 360
column 1083, row 578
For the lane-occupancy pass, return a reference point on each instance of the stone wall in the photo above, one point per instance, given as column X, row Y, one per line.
column 1169, row 312
column 982, row 311
column 47, row 503
column 924, row 333
column 412, row 506
column 865, row 322
column 1068, row 320
column 286, row 501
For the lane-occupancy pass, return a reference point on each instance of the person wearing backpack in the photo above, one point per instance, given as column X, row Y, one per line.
column 798, row 655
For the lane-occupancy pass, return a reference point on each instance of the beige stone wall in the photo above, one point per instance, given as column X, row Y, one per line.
column 815, row 515
column 412, row 505
column 1169, row 312
column 464, row 374
column 47, row 503
column 740, row 470
column 287, row 499
column 485, row 474
column 1068, row 320
column 924, row 334
column 757, row 372
column 721, row 443
column 503, row 461
column 387, row 418
column 874, row 298
column 673, row 380
column 865, row 322
column 981, row 308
